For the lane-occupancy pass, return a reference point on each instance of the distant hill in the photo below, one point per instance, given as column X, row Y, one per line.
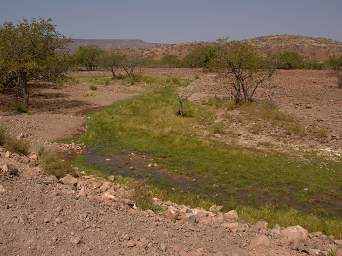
column 311, row 47
column 316, row 48
column 110, row 44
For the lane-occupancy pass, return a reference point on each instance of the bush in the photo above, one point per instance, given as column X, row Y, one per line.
column 21, row 108
column 339, row 80
column 244, row 69
column 289, row 60
column 3, row 135
column 201, row 57
column 16, row 145
column 93, row 87
column 53, row 164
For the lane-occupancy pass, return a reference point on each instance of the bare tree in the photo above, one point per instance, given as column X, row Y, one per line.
column 244, row 69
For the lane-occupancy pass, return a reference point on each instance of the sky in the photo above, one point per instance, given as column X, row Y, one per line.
column 170, row 21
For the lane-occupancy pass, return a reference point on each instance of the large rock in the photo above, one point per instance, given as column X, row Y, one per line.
column 106, row 186
column 294, row 234
column 172, row 213
column 109, row 195
column 201, row 213
column 9, row 170
column 260, row 226
column 215, row 208
column 231, row 226
column 69, row 180
column 260, row 241
column 231, row 216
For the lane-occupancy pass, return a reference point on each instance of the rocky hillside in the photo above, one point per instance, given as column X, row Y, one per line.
column 310, row 47
column 314, row 48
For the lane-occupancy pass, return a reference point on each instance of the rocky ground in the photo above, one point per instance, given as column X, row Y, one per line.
column 312, row 97
column 41, row 215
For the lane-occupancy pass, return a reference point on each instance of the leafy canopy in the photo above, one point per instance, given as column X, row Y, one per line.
column 88, row 56
column 31, row 48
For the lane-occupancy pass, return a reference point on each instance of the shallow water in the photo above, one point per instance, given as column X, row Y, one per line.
column 137, row 167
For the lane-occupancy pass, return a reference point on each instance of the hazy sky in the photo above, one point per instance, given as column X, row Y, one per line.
column 182, row 20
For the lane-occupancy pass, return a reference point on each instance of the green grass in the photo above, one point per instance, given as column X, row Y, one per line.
column 143, row 197
column 234, row 177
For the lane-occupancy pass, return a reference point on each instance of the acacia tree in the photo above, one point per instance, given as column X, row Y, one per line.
column 88, row 57
column 112, row 61
column 30, row 50
column 245, row 70
column 130, row 64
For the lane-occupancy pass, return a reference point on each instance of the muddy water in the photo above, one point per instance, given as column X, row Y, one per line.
column 137, row 167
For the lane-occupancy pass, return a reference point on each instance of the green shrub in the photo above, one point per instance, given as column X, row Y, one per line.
column 93, row 87
column 16, row 145
column 201, row 57
column 3, row 134
column 289, row 60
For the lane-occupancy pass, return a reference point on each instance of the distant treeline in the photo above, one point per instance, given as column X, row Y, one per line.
column 92, row 58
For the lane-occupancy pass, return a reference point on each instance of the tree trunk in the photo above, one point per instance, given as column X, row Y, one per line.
column 23, row 88
column 181, row 107
column 113, row 73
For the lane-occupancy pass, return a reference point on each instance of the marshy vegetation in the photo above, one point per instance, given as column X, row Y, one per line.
column 279, row 188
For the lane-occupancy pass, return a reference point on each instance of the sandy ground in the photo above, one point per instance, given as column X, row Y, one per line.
column 59, row 113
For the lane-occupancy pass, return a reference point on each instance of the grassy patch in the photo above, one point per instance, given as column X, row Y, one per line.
column 17, row 146
column 291, row 218
column 272, row 115
column 142, row 196
column 13, row 144
column 211, row 173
